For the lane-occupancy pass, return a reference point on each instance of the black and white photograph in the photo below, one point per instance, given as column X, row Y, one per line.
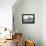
column 28, row 18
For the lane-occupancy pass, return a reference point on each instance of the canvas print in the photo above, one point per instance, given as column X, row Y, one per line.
column 28, row 18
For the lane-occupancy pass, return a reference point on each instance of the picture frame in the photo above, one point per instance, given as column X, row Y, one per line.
column 28, row 18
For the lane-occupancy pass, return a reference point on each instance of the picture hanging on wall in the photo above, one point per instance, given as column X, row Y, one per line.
column 28, row 18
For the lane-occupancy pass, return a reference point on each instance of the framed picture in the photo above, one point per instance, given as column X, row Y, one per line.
column 28, row 18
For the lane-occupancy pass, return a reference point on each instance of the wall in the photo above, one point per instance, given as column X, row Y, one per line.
column 43, row 22
column 6, row 13
column 30, row 31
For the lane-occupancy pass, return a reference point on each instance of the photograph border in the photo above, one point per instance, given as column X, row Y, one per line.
column 28, row 22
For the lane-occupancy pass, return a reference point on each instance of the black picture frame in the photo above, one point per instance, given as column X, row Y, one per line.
column 28, row 18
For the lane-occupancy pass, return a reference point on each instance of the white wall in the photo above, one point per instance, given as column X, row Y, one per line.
column 31, row 31
column 6, row 13
column 43, row 22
